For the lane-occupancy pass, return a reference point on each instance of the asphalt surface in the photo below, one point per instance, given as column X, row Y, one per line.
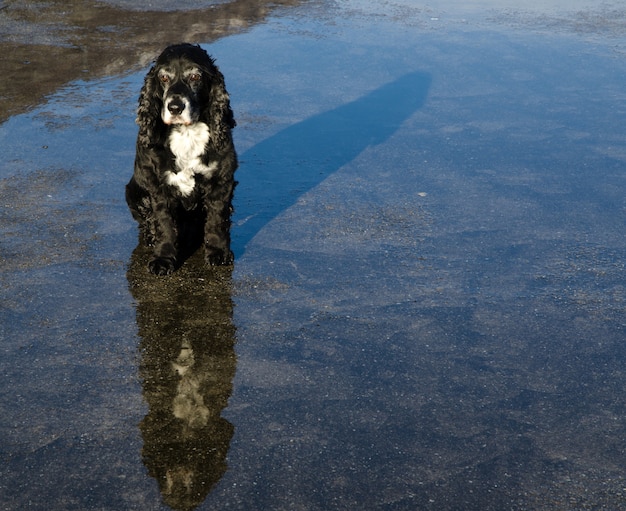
column 427, row 307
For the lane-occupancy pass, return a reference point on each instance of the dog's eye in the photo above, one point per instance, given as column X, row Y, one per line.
column 194, row 77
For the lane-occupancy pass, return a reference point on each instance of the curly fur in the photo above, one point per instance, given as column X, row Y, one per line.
column 183, row 183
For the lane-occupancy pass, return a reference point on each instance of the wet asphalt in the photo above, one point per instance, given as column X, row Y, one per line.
column 427, row 307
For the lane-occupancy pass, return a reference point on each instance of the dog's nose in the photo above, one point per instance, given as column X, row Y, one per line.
column 176, row 106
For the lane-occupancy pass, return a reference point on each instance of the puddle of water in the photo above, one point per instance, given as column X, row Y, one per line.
column 426, row 312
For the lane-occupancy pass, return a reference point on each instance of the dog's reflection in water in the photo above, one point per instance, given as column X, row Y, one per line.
column 187, row 364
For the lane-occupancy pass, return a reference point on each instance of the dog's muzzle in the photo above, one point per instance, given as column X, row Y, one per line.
column 177, row 110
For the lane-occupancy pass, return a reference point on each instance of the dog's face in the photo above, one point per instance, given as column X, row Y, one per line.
column 184, row 87
column 182, row 81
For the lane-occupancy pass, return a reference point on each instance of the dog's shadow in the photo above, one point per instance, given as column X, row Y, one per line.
column 275, row 172
column 186, row 364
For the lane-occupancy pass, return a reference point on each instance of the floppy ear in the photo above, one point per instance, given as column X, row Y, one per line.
column 218, row 112
column 149, row 110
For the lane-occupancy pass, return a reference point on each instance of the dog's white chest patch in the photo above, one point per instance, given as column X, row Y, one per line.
column 188, row 143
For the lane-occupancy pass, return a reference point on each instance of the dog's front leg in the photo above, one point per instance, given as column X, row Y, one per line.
column 166, row 240
column 217, row 226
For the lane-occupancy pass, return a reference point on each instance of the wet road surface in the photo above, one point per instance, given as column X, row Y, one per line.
column 427, row 309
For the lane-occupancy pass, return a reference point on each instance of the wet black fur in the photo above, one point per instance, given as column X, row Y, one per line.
column 173, row 224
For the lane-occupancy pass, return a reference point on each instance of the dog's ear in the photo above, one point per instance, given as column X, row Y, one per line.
column 149, row 110
column 218, row 113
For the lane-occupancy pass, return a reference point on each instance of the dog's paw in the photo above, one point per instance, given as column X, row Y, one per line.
column 162, row 265
column 218, row 257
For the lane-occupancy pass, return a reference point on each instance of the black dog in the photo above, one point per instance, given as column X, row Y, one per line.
column 185, row 161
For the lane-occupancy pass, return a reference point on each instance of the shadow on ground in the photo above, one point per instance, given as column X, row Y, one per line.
column 277, row 171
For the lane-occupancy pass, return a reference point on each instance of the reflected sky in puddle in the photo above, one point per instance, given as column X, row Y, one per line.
column 426, row 312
